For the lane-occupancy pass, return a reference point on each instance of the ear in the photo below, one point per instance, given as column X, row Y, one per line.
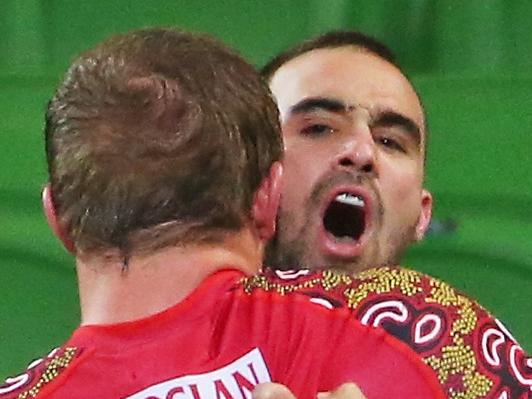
column 266, row 202
column 53, row 222
column 425, row 216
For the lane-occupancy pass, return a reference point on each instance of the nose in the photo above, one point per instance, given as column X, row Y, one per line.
column 357, row 151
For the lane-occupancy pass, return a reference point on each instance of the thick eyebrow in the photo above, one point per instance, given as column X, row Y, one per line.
column 391, row 118
column 384, row 118
column 318, row 103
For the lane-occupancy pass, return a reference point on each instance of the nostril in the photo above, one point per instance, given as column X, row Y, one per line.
column 367, row 168
column 346, row 162
column 349, row 163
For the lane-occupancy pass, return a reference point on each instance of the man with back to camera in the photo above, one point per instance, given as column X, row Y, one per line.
column 163, row 151
column 353, row 198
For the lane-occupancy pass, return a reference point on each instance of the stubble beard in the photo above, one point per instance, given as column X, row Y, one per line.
column 299, row 253
column 286, row 254
column 289, row 251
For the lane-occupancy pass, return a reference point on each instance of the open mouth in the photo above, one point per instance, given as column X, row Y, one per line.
column 345, row 217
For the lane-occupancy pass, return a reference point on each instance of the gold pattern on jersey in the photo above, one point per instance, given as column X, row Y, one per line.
column 332, row 279
column 445, row 295
column 380, row 281
column 261, row 282
column 327, row 279
column 459, row 360
column 455, row 361
column 55, row 366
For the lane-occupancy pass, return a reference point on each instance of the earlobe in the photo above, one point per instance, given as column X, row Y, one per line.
column 266, row 202
column 425, row 215
column 51, row 218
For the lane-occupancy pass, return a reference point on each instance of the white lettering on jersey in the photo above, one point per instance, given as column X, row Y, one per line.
column 236, row 380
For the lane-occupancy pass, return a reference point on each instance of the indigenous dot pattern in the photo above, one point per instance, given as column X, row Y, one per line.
column 471, row 353
column 40, row 373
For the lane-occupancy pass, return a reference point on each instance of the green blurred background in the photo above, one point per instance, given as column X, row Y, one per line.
column 470, row 60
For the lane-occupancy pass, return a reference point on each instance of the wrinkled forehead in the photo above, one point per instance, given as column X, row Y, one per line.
column 348, row 74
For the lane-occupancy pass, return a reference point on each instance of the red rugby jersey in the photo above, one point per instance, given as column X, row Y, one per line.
column 222, row 340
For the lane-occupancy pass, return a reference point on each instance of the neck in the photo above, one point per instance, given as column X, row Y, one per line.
column 154, row 282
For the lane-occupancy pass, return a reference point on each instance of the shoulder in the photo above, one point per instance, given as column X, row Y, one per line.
column 40, row 374
column 470, row 351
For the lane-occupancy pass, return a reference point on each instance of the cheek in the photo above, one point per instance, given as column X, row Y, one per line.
column 295, row 181
column 302, row 169
column 401, row 190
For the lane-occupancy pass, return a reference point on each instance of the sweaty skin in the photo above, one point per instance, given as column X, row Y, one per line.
column 352, row 123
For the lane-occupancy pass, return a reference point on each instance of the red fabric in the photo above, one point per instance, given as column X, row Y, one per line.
column 470, row 351
column 192, row 350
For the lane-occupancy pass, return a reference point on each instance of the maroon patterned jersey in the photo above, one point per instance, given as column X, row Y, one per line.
column 472, row 354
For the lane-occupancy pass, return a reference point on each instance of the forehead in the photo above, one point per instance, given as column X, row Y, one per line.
column 349, row 74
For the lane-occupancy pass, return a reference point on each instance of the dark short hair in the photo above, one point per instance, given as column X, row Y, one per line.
column 331, row 39
column 158, row 137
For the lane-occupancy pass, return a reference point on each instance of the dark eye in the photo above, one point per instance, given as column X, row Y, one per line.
column 317, row 130
column 390, row 143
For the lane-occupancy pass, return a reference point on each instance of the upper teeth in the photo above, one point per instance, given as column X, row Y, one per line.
column 350, row 199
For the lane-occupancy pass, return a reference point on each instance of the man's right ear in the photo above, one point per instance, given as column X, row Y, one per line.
column 51, row 217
